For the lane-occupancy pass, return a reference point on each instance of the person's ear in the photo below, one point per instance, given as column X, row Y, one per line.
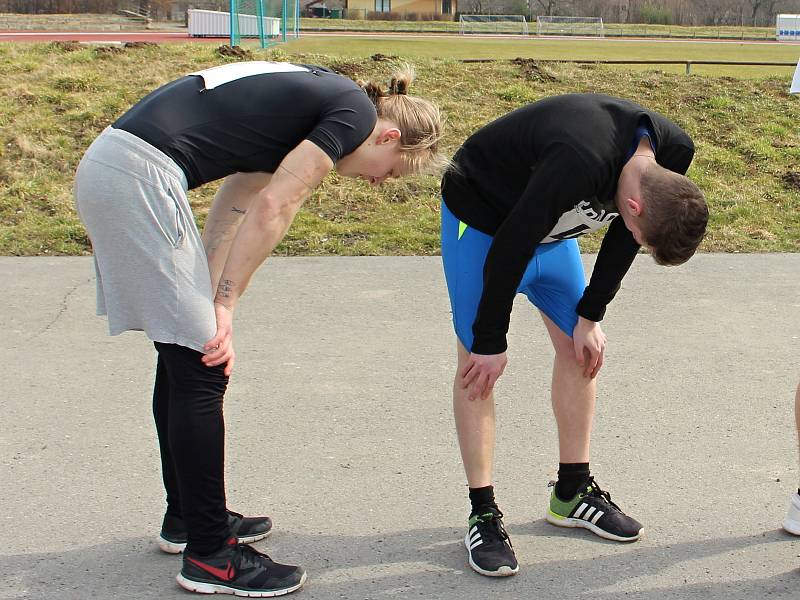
column 388, row 135
column 634, row 206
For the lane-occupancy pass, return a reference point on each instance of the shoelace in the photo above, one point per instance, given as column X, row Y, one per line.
column 248, row 557
column 496, row 525
column 597, row 492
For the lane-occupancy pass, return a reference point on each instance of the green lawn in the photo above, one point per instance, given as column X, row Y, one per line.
column 56, row 101
column 540, row 49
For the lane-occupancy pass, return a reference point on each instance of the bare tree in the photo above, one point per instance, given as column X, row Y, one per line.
column 473, row 7
column 548, row 6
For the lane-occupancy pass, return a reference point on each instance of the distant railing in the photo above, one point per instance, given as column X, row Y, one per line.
column 687, row 63
column 137, row 12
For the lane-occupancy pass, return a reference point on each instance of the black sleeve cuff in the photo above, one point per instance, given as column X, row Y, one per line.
column 591, row 310
column 489, row 345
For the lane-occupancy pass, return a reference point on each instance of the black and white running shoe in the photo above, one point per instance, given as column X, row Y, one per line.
column 488, row 544
column 247, row 530
column 240, row 570
column 592, row 509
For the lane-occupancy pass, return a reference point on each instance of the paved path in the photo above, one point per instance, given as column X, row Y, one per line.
column 339, row 427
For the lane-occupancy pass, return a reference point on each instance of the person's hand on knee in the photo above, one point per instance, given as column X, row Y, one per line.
column 220, row 348
column 481, row 372
column 590, row 346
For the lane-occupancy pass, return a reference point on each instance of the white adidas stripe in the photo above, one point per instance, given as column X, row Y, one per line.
column 474, row 537
column 588, row 513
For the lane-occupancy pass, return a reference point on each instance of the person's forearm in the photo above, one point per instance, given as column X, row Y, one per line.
column 262, row 229
column 218, row 235
column 269, row 217
column 231, row 203
column 617, row 252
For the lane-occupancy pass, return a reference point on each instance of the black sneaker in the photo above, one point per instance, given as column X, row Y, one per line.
column 247, row 530
column 240, row 570
column 488, row 545
column 592, row 509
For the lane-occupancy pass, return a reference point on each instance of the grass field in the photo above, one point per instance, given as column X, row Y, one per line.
column 540, row 49
column 57, row 100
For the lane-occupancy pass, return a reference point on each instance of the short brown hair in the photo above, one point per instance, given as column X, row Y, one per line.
column 674, row 215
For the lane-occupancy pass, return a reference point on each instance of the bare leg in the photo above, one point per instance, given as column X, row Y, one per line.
column 573, row 398
column 475, row 427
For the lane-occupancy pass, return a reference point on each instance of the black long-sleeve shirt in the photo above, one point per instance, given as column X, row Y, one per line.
column 545, row 172
column 248, row 116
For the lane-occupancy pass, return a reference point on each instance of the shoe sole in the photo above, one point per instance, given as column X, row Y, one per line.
column 176, row 548
column 503, row 571
column 792, row 527
column 570, row 522
column 202, row 587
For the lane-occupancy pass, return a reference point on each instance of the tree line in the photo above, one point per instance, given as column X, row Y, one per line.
column 688, row 12
column 665, row 12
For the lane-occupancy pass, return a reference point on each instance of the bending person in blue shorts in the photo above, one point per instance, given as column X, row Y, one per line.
column 521, row 190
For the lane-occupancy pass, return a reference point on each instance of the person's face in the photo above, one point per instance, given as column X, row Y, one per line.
column 379, row 158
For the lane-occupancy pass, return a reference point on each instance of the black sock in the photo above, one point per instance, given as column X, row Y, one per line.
column 480, row 498
column 570, row 478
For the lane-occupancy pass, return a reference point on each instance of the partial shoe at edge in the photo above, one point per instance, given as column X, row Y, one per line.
column 792, row 521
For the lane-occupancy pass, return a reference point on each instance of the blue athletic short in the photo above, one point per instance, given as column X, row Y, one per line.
column 553, row 281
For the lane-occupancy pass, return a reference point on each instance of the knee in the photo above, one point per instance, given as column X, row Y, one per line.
column 564, row 348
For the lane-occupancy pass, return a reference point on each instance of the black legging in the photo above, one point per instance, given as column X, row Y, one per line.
column 187, row 405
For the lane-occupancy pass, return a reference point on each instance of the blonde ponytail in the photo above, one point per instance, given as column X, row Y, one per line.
column 420, row 122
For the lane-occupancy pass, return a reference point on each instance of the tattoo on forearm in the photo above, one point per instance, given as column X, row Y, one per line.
column 225, row 288
column 238, row 210
column 300, row 179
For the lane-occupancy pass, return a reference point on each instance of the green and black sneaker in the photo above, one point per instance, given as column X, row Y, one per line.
column 592, row 509
column 488, row 545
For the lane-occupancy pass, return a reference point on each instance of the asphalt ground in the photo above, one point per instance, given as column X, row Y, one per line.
column 339, row 427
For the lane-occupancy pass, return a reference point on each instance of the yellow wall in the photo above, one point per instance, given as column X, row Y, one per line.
column 419, row 6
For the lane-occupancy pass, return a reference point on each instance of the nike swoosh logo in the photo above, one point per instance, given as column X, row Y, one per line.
column 225, row 574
